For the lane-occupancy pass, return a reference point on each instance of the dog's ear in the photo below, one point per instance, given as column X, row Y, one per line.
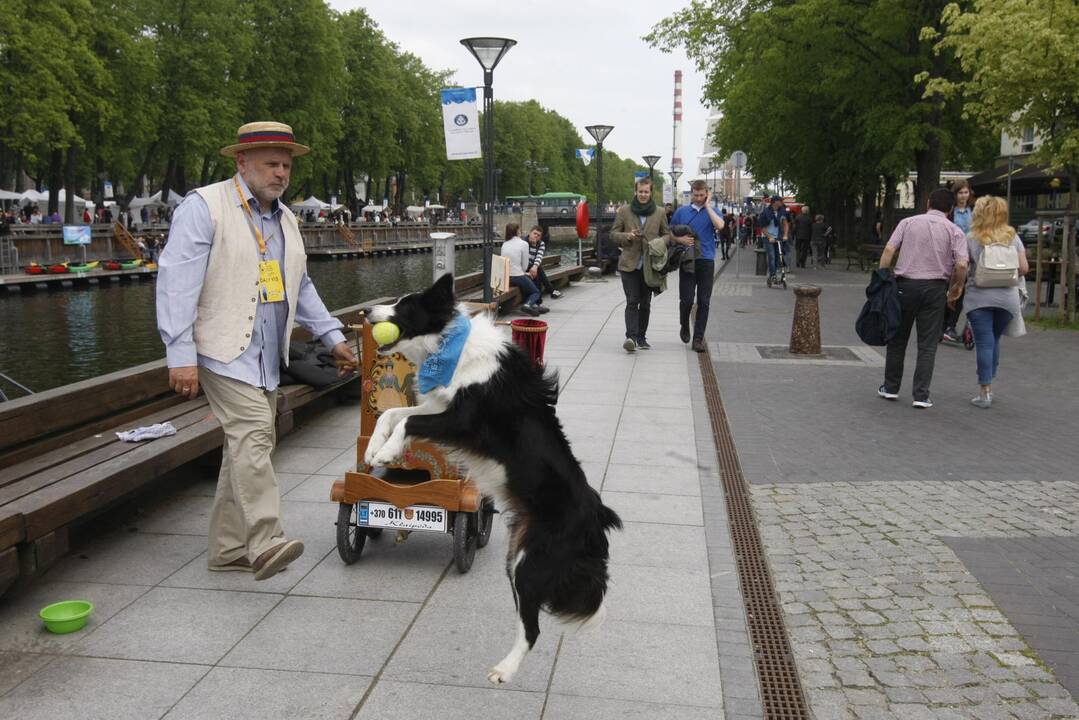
column 441, row 293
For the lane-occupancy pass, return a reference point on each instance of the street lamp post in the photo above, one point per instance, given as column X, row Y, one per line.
column 498, row 176
column 543, row 170
column 598, row 133
column 531, row 166
column 675, row 174
column 488, row 51
column 651, row 160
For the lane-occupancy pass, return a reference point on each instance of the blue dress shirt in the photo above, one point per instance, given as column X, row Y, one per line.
column 698, row 219
column 181, row 272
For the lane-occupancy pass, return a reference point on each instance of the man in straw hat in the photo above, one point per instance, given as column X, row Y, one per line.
column 231, row 284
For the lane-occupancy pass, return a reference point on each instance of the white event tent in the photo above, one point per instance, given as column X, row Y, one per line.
column 155, row 200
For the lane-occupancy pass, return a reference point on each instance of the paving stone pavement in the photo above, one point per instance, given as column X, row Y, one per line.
column 924, row 560
column 400, row 634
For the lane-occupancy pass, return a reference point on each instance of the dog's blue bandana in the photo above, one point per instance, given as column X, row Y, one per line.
column 437, row 370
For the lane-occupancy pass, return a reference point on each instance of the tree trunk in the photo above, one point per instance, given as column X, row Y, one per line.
column 20, row 183
column 55, row 166
column 137, row 186
column 927, row 162
column 888, row 210
column 5, row 167
column 71, row 160
column 99, row 173
column 350, row 191
column 181, row 181
column 865, row 228
column 166, row 183
column 204, row 176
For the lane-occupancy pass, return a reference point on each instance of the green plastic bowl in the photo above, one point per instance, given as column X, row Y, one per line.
column 67, row 616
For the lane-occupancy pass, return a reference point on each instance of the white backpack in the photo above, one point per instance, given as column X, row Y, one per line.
column 997, row 267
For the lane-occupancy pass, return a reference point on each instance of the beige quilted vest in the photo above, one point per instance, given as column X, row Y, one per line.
column 226, row 310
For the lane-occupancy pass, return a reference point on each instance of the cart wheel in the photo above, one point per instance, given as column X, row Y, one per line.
column 784, row 283
column 350, row 537
column 464, row 541
column 486, row 519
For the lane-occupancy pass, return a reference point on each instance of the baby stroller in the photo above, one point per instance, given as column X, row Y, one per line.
column 780, row 277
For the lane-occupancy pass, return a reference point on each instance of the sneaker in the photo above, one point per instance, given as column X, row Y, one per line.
column 881, row 392
column 556, row 294
column 276, row 559
column 950, row 336
column 543, row 309
column 983, row 401
column 922, row 404
column 699, row 346
column 683, row 333
column 629, row 345
column 643, row 344
column 530, row 310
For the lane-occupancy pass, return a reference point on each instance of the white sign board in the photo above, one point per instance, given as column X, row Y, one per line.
column 461, row 123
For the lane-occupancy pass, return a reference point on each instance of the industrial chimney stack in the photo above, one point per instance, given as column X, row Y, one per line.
column 676, row 148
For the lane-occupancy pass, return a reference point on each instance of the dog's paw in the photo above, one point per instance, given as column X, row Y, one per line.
column 499, row 676
column 389, row 454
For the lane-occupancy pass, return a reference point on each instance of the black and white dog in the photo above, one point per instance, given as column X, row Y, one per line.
column 496, row 412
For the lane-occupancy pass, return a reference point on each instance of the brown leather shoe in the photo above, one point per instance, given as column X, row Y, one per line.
column 699, row 346
column 240, row 564
column 277, row 559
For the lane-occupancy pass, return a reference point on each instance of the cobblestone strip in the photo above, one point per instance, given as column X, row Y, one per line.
column 884, row 620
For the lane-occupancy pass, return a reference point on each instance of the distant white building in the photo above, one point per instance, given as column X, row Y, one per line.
column 722, row 177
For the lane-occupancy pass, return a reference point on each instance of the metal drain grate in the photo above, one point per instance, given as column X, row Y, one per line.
column 781, row 690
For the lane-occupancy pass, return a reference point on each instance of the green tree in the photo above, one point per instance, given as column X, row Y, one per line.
column 1022, row 69
column 204, row 48
column 824, row 92
column 295, row 75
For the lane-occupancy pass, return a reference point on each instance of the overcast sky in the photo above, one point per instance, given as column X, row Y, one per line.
column 582, row 58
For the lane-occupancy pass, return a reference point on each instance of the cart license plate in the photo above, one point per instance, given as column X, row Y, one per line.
column 413, row 517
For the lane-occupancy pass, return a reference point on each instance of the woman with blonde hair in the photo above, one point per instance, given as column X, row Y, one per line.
column 990, row 309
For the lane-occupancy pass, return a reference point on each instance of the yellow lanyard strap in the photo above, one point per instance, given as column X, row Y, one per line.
column 250, row 217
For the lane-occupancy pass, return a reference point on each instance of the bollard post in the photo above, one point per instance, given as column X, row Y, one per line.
column 805, row 329
column 442, row 254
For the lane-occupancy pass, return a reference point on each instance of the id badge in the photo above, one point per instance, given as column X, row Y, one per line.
column 271, row 287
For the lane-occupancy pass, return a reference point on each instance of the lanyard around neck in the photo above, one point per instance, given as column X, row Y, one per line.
column 250, row 217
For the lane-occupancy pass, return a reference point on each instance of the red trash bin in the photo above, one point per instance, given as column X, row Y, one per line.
column 530, row 336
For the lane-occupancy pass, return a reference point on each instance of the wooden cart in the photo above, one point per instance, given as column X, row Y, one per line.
column 425, row 493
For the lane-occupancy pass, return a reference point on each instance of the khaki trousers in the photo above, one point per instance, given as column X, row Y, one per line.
column 246, row 516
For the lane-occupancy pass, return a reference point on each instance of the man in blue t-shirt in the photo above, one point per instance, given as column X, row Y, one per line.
column 705, row 221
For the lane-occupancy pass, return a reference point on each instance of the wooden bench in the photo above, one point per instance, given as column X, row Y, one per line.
column 868, row 256
column 61, row 462
column 470, row 287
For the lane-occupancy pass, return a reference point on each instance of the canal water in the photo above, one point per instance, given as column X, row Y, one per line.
column 54, row 338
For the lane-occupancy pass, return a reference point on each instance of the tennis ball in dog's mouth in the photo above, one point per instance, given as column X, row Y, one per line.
column 385, row 333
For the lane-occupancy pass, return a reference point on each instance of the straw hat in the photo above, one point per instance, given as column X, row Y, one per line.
column 265, row 135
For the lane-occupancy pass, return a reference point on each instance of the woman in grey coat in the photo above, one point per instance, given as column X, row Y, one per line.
column 991, row 309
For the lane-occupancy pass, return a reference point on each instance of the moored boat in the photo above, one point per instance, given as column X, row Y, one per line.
column 58, row 269
column 35, row 269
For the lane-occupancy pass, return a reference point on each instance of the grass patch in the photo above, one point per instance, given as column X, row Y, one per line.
column 1053, row 322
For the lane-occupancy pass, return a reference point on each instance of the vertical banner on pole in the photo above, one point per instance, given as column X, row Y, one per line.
column 460, row 120
column 585, row 155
